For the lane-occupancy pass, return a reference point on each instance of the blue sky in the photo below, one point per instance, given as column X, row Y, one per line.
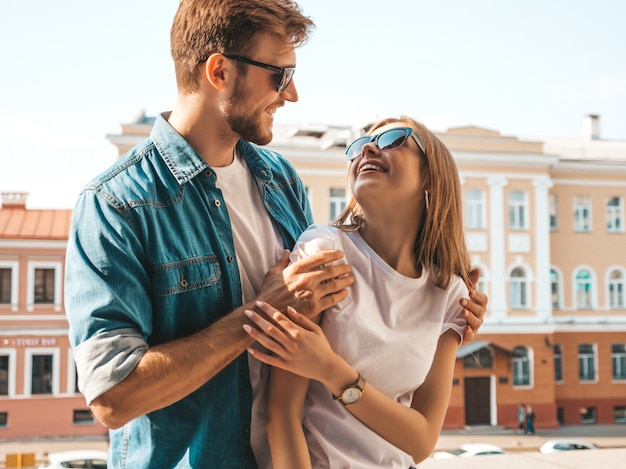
column 73, row 70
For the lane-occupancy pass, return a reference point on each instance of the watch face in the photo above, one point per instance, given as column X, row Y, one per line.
column 351, row 395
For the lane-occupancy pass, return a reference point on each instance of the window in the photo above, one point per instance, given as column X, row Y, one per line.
column 582, row 213
column 517, row 210
column 619, row 414
column 44, row 286
column 555, row 284
column 554, row 212
column 41, row 382
column 614, row 215
column 518, row 289
column 4, row 419
column 583, row 289
column 474, row 209
column 616, row 289
column 45, row 279
column 482, row 358
column 586, row 362
column 337, row 202
column 5, row 285
column 521, row 367
column 83, row 417
column 618, row 361
column 558, row 363
column 4, row 375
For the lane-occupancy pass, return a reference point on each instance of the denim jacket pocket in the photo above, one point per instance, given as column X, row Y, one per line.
column 185, row 275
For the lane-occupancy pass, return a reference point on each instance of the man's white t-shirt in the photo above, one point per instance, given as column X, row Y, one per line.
column 258, row 246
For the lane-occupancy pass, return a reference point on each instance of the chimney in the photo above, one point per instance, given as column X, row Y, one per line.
column 14, row 199
column 591, row 127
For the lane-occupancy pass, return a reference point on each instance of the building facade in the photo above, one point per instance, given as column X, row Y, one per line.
column 38, row 393
column 544, row 223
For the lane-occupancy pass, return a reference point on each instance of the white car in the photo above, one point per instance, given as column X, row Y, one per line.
column 468, row 450
column 81, row 458
column 554, row 446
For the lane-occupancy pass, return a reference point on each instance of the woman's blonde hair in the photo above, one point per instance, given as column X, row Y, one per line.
column 440, row 244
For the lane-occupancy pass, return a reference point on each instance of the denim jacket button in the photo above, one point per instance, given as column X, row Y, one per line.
column 218, row 203
column 230, row 258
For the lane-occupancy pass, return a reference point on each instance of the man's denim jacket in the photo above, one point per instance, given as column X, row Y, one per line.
column 150, row 259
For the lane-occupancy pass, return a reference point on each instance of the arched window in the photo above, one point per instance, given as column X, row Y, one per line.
column 616, row 289
column 518, row 289
column 521, row 366
column 584, row 289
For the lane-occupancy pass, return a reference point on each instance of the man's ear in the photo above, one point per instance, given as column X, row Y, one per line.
column 217, row 70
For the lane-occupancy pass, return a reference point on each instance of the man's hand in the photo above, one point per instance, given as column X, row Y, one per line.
column 474, row 309
column 310, row 285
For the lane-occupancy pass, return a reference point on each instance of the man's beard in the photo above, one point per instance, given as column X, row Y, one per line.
column 247, row 126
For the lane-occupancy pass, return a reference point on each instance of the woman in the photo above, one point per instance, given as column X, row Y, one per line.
column 381, row 362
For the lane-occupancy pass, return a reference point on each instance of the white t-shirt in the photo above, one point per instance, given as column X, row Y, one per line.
column 257, row 242
column 387, row 328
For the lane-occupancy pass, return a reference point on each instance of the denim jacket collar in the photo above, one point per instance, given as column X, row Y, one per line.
column 183, row 161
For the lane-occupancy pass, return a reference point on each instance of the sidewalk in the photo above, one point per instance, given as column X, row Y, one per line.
column 603, row 436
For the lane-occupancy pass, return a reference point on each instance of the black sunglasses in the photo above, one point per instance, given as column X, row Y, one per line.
column 387, row 140
column 286, row 73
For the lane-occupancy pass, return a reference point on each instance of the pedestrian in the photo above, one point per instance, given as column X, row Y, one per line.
column 377, row 372
column 521, row 418
column 530, row 420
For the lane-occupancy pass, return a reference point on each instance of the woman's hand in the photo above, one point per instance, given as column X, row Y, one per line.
column 295, row 343
column 474, row 309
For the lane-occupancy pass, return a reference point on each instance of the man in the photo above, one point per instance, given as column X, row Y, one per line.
column 171, row 245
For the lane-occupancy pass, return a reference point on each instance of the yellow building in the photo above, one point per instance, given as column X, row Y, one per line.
column 545, row 224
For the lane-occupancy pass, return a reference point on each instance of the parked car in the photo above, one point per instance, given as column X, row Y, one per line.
column 554, row 446
column 468, row 450
column 81, row 458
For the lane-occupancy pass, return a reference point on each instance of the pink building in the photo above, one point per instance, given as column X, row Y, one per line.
column 38, row 394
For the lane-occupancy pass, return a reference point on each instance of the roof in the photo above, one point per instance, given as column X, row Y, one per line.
column 477, row 345
column 18, row 223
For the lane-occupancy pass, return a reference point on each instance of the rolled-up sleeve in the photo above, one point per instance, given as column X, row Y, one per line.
column 106, row 295
column 106, row 359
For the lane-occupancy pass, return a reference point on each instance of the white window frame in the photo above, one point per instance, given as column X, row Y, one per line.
column 475, row 211
column 559, row 287
column 518, row 211
column 583, row 214
column 15, row 275
column 519, row 288
column 615, row 215
column 522, row 363
column 58, row 283
column 617, row 359
column 559, row 362
column 586, row 358
column 616, row 287
column 337, row 203
column 29, row 353
column 12, row 354
column 554, row 212
column 591, row 295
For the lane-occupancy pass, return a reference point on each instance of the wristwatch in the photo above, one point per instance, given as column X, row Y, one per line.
column 352, row 393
